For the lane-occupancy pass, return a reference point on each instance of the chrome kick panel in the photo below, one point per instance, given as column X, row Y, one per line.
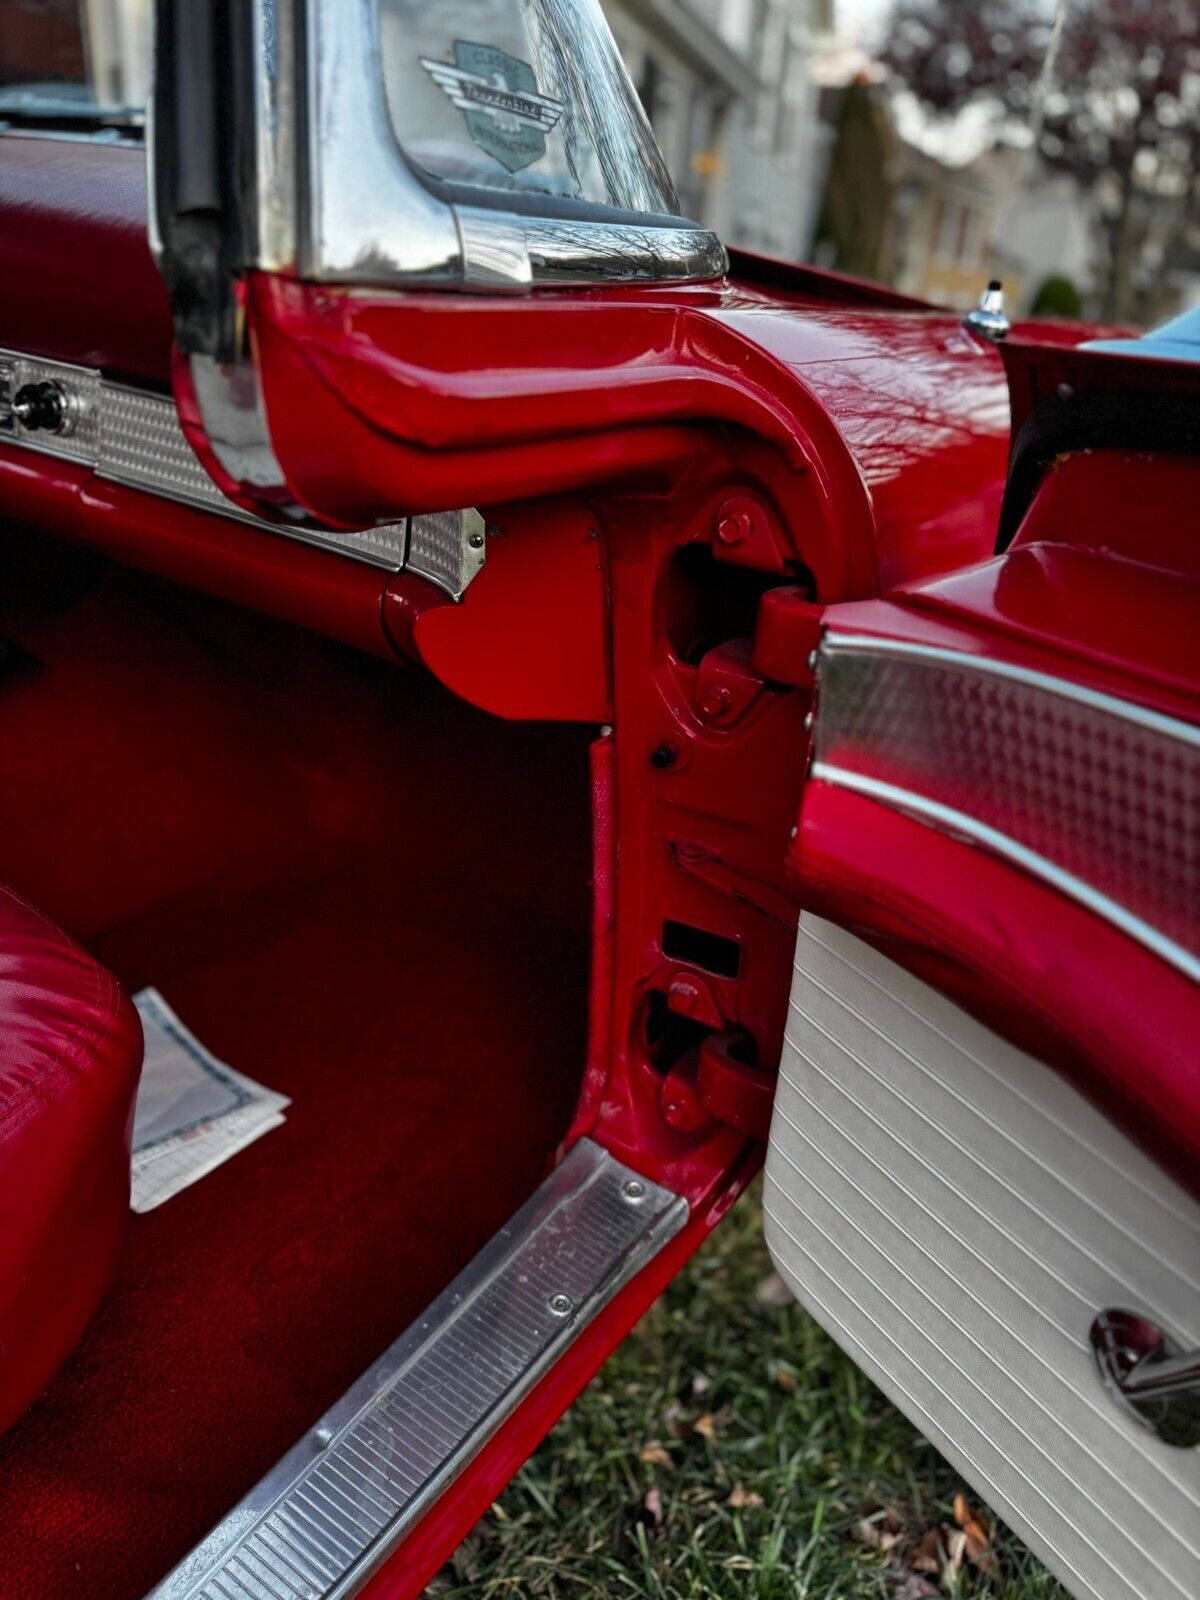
column 330, row 1511
column 960, row 1218
column 133, row 437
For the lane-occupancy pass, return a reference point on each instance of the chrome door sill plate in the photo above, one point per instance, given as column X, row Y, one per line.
column 333, row 1508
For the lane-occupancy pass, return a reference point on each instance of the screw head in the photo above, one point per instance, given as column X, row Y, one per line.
column 476, row 541
column 634, row 1190
column 560, row 1304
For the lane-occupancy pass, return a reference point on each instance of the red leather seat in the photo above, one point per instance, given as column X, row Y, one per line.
column 70, row 1053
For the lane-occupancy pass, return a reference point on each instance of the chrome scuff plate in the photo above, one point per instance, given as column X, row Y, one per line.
column 330, row 1511
column 955, row 1214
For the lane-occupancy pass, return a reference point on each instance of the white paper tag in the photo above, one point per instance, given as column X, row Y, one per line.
column 193, row 1112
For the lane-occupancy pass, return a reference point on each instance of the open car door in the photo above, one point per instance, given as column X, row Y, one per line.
column 982, row 1177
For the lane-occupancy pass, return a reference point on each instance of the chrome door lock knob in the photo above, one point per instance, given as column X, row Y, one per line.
column 1149, row 1377
column 44, row 407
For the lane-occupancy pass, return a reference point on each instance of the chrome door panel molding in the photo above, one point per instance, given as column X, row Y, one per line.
column 1091, row 793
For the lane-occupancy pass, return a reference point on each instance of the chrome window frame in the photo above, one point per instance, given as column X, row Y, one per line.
column 337, row 202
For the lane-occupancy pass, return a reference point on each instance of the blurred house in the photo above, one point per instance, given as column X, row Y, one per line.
column 904, row 214
column 728, row 88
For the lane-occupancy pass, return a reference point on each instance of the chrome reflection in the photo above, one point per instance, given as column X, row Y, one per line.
column 1086, row 791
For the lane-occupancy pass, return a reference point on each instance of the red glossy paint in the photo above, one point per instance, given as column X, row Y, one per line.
column 263, row 571
column 532, row 643
column 899, row 416
column 70, row 1050
column 77, row 281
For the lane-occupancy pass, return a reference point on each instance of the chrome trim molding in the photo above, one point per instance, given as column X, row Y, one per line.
column 335, row 201
column 334, row 1507
column 1090, row 793
column 959, row 824
column 834, row 644
column 953, row 1212
column 132, row 436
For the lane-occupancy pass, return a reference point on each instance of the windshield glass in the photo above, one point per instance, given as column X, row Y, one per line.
column 520, row 95
column 75, row 60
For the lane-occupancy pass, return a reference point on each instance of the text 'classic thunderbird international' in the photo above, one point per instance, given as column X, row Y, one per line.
column 520, row 717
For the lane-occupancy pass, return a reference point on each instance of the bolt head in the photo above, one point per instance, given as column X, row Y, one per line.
column 715, row 701
column 684, row 995
column 560, row 1304
column 476, row 541
column 733, row 527
column 633, row 1189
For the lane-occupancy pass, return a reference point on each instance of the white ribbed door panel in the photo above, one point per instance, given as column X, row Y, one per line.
column 955, row 1215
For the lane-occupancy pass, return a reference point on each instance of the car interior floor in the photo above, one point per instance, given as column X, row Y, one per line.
column 356, row 890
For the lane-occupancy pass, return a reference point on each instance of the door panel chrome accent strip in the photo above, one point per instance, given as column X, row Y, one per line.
column 953, row 1212
column 132, row 436
column 1087, row 790
column 333, row 1508
column 834, row 644
column 959, row 824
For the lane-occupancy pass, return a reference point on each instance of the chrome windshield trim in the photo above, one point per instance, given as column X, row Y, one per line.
column 1096, row 699
column 335, row 200
column 952, row 822
column 507, row 252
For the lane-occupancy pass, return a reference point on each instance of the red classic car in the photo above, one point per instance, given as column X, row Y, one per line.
column 543, row 715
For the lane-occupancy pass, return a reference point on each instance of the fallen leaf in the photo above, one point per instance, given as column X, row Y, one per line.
column 654, row 1506
column 741, row 1497
column 977, row 1532
column 956, row 1549
column 654, row 1455
column 883, row 1530
column 786, row 1380
column 772, row 1291
column 705, row 1427
column 927, row 1556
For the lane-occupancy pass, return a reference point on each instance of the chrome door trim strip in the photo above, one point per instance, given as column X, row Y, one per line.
column 333, row 1509
column 953, row 822
column 937, row 655
column 132, row 436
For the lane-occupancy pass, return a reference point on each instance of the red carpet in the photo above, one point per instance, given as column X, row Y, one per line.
column 355, row 890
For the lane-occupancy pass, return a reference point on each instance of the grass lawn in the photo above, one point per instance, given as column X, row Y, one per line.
column 730, row 1449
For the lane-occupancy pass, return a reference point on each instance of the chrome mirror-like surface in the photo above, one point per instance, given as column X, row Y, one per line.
column 458, row 144
column 1149, row 1376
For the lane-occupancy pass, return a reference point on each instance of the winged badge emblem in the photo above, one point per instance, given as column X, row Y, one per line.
column 498, row 96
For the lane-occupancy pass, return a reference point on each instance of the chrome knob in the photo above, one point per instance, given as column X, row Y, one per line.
column 989, row 319
column 1149, row 1377
column 43, row 407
